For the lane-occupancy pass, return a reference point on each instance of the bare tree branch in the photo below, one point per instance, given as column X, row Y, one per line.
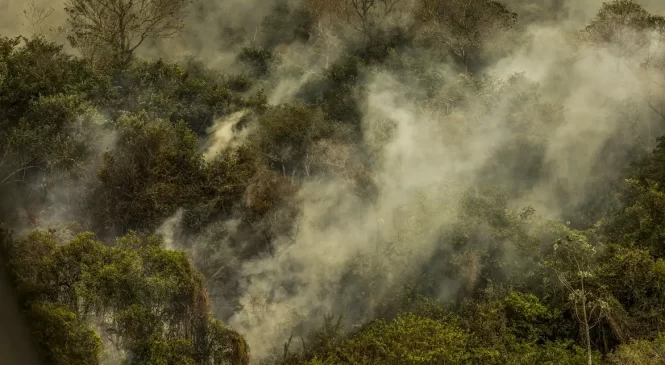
column 119, row 27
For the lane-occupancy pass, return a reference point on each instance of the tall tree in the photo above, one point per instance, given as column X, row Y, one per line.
column 131, row 296
column 115, row 28
column 574, row 263
column 624, row 27
column 628, row 31
column 363, row 16
column 461, row 28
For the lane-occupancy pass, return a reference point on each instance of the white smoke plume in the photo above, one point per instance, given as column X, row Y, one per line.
column 223, row 135
column 168, row 229
column 429, row 158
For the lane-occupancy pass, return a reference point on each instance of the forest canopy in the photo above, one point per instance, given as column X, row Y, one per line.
column 336, row 182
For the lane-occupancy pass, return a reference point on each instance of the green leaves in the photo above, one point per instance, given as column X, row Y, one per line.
column 174, row 92
column 57, row 133
column 145, row 300
column 36, row 68
column 63, row 337
column 408, row 339
column 639, row 352
column 154, row 169
column 491, row 334
column 49, row 128
column 641, row 221
column 461, row 29
column 286, row 134
column 259, row 61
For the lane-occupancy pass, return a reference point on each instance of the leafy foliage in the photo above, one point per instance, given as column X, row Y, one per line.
column 154, row 169
column 64, row 337
column 141, row 298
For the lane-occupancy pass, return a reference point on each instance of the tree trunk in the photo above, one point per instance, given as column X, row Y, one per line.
column 586, row 328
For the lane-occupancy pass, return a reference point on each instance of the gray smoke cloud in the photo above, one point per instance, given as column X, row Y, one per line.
column 427, row 155
column 18, row 17
column 62, row 192
column 222, row 135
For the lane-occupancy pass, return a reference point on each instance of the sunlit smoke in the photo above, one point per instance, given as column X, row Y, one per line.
column 223, row 134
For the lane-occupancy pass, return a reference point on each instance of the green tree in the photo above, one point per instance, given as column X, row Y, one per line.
column 640, row 352
column 49, row 128
column 64, row 338
column 365, row 17
column 462, row 29
column 623, row 26
column 143, row 300
column 640, row 222
column 627, row 30
column 174, row 92
column 408, row 339
column 258, row 61
column 35, row 68
column 286, row 134
column 154, row 169
column 574, row 263
column 287, row 24
column 635, row 280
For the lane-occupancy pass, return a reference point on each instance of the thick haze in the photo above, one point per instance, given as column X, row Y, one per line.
column 423, row 157
column 430, row 154
column 422, row 151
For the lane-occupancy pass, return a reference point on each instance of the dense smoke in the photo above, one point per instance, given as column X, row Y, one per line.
column 19, row 17
column 423, row 151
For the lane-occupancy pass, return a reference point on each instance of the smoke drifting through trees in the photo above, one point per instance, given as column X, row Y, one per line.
column 377, row 149
column 573, row 109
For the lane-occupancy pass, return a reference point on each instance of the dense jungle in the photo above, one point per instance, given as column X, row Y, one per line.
column 329, row 182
